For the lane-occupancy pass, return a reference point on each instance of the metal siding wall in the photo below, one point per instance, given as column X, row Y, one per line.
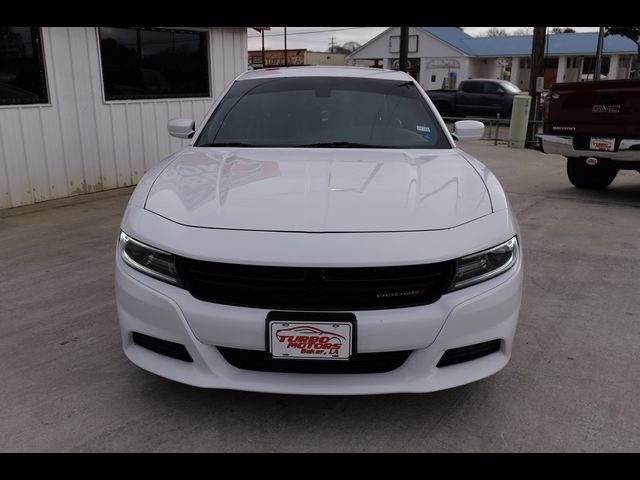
column 80, row 144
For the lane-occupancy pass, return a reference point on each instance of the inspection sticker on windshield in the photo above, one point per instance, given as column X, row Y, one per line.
column 310, row 340
column 425, row 132
column 604, row 144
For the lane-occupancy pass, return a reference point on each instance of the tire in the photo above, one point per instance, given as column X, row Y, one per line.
column 444, row 109
column 590, row 177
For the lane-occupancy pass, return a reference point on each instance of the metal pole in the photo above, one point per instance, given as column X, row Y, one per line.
column 404, row 48
column 264, row 61
column 596, row 74
column 495, row 142
column 285, row 47
column 537, row 70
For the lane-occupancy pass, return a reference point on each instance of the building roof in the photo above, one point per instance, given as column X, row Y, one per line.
column 454, row 37
column 583, row 43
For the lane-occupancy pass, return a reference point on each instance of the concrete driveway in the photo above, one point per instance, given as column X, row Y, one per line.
column 572, row 385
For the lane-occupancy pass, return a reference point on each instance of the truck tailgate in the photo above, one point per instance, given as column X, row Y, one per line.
column 610, row 107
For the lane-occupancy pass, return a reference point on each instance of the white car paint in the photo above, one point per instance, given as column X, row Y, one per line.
column 320, row 208
column 318, row 190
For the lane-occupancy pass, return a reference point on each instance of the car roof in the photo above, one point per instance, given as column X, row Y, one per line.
column 485, row 80
column 325, row 71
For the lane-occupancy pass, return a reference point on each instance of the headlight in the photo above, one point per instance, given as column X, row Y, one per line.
column 148, row 260
column 484, row 265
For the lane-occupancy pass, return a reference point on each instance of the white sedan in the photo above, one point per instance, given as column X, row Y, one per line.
column 321, row 234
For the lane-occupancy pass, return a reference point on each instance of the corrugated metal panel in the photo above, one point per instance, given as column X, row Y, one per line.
column 80, row 144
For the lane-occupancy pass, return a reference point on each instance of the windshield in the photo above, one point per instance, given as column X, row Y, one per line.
column 510, row 87
column 323, row 112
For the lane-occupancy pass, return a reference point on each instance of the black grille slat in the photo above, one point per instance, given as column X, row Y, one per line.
column 468, row 353
column 362, row 363
column 380, row 273
column 311, row 288
column 163, row 347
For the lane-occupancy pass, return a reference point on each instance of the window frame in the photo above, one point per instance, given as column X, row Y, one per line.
column 44, row 72
column 204, row 30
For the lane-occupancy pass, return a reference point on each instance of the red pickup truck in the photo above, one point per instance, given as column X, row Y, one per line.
column 596, row 125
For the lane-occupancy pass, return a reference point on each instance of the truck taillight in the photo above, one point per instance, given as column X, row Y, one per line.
column 547, row 102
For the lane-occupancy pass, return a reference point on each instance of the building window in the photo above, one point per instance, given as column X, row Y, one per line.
column 139, row 63
column 394, row 44
column 22, row 74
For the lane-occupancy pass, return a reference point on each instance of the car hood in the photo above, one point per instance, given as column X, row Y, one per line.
column 319, row 190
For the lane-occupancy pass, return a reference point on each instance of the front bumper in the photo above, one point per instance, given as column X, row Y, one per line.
column 563, row 145
column 483, row 312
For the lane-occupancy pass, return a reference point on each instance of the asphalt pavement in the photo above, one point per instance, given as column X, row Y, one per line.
column 572, row 385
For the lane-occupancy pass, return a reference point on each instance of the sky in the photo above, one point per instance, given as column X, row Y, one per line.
column 318, row 38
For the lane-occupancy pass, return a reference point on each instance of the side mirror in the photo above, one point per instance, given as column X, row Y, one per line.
column 500, row 91
column 182, row 127
column 468, row 130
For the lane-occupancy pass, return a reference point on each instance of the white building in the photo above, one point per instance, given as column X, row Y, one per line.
column 84, row 109
column 442, row 56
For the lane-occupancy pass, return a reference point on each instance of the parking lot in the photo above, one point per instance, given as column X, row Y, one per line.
column 573, row 382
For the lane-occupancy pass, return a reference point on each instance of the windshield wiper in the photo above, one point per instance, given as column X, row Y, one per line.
column 340, row 145
column 231, row 144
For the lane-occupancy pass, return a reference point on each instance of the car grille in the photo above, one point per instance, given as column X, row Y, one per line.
column 362, row 363
column 301, row 288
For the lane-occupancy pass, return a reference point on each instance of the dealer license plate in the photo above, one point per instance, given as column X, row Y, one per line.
column 602, row 144
column 310, row 340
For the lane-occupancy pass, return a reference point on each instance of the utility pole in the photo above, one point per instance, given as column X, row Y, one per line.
column 286, row 62
column 537, row 70
column 404, row 49
column 264, row 61
column 596, row 74
column 332, row 44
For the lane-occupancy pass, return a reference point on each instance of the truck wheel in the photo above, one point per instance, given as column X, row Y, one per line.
column 592, row 177
column 444, row 109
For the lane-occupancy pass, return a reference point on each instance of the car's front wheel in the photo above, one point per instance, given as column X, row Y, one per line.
column 592, row 177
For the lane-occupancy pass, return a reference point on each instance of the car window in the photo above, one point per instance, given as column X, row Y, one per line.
column 491, row 87
column 471, row 87
column 510, row 87
column 318, row 111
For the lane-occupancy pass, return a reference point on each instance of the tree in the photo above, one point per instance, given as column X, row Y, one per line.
column 496, row 32
column 632, row 33
column 523, row 31
column 346, row 49
column 351, row 46
column 339, row 49
column 562, row 30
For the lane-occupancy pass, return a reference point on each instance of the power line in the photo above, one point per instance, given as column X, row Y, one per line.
column 306, row 33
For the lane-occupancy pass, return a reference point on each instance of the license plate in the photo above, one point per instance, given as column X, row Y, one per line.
column 602, row 144
column 310, row 340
